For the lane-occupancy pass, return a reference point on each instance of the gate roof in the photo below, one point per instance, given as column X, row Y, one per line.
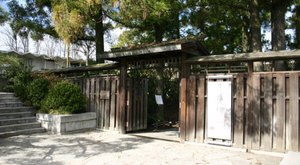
column 161, row 50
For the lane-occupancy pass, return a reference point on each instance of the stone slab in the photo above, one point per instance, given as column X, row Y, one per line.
column 291, row 158
column 60, row 124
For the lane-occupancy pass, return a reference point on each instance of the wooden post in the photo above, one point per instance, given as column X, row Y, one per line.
column 183, row 101
column 122, row 98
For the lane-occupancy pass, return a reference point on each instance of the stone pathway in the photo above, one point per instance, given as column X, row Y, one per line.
column 111, row 148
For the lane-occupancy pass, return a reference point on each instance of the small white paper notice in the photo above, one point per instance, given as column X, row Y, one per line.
column 159, row 100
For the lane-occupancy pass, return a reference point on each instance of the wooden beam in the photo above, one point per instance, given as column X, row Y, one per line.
column 244, row 57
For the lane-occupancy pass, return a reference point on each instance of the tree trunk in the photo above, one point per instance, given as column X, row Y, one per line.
column 278, row 11
column 99, row 38
column 245, row 35
column 68, row 56
column 15, row 37
column 158, row 30
column 297, row 28
column 255, row 31
column 297, row 33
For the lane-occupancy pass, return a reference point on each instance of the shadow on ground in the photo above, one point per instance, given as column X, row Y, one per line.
column 42, row 149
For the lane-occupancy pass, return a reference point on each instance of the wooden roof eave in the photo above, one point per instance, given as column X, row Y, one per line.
column 192, row 48
column 140, row 52
column 97, row 67
column 245, row 57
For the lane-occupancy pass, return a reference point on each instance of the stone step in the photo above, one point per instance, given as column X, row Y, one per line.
column 15, row 127
column 6, row 94
column 16, row 109
column 8, row 100
column 15, row 115
column 11, row 104
column 22, row 132
column 17, row 121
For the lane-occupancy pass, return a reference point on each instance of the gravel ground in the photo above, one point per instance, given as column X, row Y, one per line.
column 98, row 147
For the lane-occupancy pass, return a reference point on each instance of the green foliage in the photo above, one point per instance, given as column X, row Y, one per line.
column 64, row 98
column 3, row 15
column 37, row 91
column 17, row 74
column 154, row 20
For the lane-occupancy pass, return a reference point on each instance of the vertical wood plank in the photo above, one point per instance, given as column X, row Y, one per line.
column 87, row 93
column 97, row 109
column 279, row 114
column 267, row 113
column 191, row 108
column 107, row 103
column 102, row 110
column 142, row 103
column 239, row 112
column 118, row 104
column 201, row 109
column 145, row 105
column 112, row 103
column 294, row 112
column 129, row 105
column 134, row 105
column 249, row 107
column 255, row 112
column 183, row 99
column 122, row 97
column 253, row 109
column 138, row 103
column 92, row 102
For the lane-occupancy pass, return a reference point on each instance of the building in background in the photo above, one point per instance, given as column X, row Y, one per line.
column 43, row 62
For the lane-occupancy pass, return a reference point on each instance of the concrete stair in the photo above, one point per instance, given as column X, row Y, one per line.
column 16, row 118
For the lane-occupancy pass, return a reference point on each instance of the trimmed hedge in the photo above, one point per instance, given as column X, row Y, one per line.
column 64, row 98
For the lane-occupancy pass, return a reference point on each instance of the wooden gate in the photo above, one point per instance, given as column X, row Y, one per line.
column 102, row 98
column 137, row 102
column 102, row 94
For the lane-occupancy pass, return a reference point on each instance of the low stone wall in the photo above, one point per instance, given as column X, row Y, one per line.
column 61, row 124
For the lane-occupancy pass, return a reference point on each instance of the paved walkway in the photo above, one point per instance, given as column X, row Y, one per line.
column 111, row 148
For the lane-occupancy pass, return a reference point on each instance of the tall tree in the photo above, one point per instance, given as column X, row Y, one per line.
column 69, row 22
column 151, row 18
column 278, row 11
column 222, row 25
column 255, row 31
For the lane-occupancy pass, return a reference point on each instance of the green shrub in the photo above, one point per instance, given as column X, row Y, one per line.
column 18, row 79
column 17, row 75
column 64, row 98
column 37, row 91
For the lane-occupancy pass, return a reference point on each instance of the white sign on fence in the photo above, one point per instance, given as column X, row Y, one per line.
column 159, row 100
column 219, row 109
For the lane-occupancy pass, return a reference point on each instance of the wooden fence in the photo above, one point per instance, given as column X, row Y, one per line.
column 102, row 98
column 265, row 111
